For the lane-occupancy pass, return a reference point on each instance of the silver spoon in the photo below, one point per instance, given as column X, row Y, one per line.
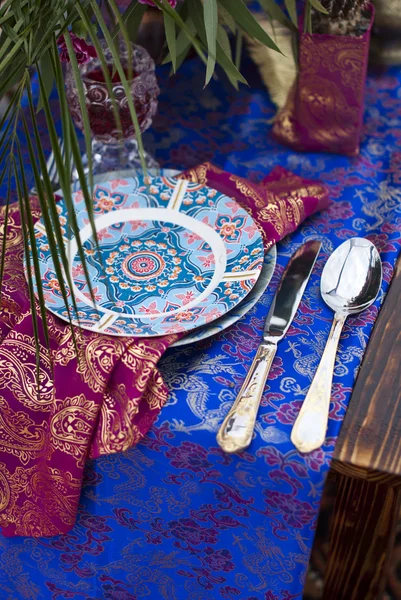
column 351, row 280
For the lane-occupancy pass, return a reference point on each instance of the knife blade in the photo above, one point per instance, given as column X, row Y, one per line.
column 236, row 431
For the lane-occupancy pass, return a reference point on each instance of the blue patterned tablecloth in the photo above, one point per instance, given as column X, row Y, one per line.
column 175, row 518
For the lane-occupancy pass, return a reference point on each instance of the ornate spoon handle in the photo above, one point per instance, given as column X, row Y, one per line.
column 309, row 429
column 236, row 431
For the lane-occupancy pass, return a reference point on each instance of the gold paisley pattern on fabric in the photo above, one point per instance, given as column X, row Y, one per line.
column 8, row 494
column 48, row 493
column 296, row 209
column 348, row 62
column 157, row 392
column 273, row 213
column 199, row 174
column 11, row 311
column 284, row 213
column 97, row 360
column 67, row 344
column 117, row 431
column 30, row 520
column 141, row 358
column 324, row 109
column 196, row 175
column 278, row 204
column 14, row 234
column 284, row 127
column 317, row 191
column 249, row 191
column 21, row 435
column 18, row 371
column 324, row 102
column 71, row 426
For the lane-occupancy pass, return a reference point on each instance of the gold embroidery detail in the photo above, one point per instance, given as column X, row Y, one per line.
column 157, row 391
column 71, row 426
column 18, row 371
column 97, row 361
column 319, row 113
column 57, row 490
column 199, row 174
column 20, row 435
column 116, row 431
column 141, row 358
column 249, row 191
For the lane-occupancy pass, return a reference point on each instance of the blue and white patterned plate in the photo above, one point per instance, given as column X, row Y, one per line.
column 236, row 313
column 174, row 256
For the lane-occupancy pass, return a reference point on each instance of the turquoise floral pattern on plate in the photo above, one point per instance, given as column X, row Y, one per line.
column 174, row 256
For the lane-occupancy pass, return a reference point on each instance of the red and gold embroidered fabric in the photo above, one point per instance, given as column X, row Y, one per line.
column 324, row 110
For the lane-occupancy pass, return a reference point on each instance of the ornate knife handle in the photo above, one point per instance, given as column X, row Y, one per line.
column 236, row 431
column 309, row 431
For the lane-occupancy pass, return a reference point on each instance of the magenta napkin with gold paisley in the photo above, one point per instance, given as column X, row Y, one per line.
column 324, row 109
column 278, row 204
column 105, row 399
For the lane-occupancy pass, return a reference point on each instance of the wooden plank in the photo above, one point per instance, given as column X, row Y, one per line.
column 371, row 433
column 362, row 536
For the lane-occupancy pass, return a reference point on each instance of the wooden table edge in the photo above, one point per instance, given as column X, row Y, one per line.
column 369, row 441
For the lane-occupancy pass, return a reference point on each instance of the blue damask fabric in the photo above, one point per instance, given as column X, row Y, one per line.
column 175, row 518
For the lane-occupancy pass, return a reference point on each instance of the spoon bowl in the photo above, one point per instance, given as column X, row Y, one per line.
column 352, row 276
column 351, row 280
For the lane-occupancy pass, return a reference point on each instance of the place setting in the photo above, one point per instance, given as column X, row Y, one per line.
column 178, row 257
column 199, row 224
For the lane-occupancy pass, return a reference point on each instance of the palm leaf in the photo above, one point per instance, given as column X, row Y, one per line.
column 291, row 6
column 28, row 265
column 124, row 34
column 169, row 27
column 308, row 18
column 223, row 52
column 12, row 76
column 224, row 43
column 132, row 18
column 45, row 67
column 8, row 167
column 47, row 221
column 10, row 119
column 238, row 49
column 29, row 229
column 275, row 13
column 227, row 19
column 166, row 8
column 316, row 4
column 64, row 175
column 85, row 116
column 49, row 209
column 10, row 55
column 4, row 9
column 183, row 42
column 248, row 23
column 211, row 17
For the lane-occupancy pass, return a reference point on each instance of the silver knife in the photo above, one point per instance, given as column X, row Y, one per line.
column 236, row 431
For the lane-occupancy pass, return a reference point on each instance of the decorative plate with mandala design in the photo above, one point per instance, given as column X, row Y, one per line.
column 174, row 256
